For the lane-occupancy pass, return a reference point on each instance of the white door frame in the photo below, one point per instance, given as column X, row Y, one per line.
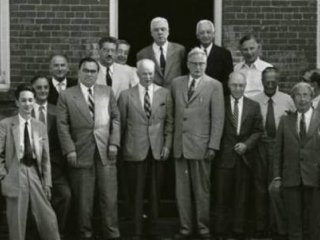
column 318, row 34
column 4, row 45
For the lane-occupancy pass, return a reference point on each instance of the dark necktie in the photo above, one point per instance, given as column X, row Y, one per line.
column 191, row 88
column 147, row 105
column 162, row 60
column 270, row 120
column 205, row 50
column 91, row 103
column 303, row 130
column 235, row 114
column 27, row 156
column 108, row 78
column 41, row 114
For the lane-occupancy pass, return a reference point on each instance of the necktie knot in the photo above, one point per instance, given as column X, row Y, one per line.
column 108, row 77
column 270, row 100
column 41, row 107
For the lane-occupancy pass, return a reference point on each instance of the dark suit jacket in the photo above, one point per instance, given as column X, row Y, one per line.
column 250, row 131
column 175, row 62
column 53, row 94
column 295, row 160
column 220, row 65
column 141, row 134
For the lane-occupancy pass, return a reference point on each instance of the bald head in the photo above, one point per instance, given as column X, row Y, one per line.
column 145, row 70
column 237, row 84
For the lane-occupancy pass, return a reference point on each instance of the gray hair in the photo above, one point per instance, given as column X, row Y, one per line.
column 144, row 61
column 299, row 85
column 158, row 19
column 196, row 51
column 237, row 73
column 204, row 21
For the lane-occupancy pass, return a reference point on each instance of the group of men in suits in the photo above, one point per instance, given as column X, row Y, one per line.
column 231, row 129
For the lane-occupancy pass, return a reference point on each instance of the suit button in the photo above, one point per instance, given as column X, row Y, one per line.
column 184, row 119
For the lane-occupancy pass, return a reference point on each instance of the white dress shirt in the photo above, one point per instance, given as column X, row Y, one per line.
column 22, row 122
column 103, row 70
column 207, row 49
column 142, row 91
column 36, row 109
column 157, row 52
column 240, row 107
column 85, row 92
column 58, row 85
column 253, row 76
column 307, row 118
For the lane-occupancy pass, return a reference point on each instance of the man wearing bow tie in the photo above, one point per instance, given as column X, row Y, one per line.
column 199, row 118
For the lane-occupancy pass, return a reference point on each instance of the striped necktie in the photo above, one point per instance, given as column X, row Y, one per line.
column 41, row 114
column 191, row 88
column 91, row 102
column 147, row 105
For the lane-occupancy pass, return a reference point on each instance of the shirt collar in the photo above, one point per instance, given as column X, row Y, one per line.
column 257, row 64
column 208, row 49
column 142, row 88
column 44, row 105
column 111, row 67
column 55, row 82
column 157, row 47
column 85, row 88
column 240, row 100
column 22, row 120
column 307, row 114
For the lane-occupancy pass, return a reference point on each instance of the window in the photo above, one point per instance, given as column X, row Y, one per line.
column 4, row 46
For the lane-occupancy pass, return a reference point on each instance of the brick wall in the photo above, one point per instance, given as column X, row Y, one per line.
column 286, row 28
column 39, row 28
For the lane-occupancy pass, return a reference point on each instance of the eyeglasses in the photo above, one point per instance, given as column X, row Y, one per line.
column 201, row 64
column 87, row 71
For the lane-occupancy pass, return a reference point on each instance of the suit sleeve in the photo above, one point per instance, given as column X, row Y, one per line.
column 278, row 157
column 122, row 104
column 3, row 135
column 217, row 117
column 115, row 121
column 45, row 161
column 257, row 128
column 228, row 68
column 63, row 126
column 168, row 128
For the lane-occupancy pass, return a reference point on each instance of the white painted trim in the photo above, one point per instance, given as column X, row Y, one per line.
column 218, row 22
column 318, row 35
column 4, row 45
column 114, row 18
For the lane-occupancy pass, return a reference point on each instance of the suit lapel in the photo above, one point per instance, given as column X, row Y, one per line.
column 81, row 104
column 155, row 101
column 314, row 124
column 36, row 140
column 169, row 59
column 50, row 116
column 199, row 88
column 245, row 110
column 135, row 96
column 185, row 88
column 153, row 57
column 16, row 134
column 292, row 124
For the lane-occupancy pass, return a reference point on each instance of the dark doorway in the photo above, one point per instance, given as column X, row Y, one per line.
column 182, row 15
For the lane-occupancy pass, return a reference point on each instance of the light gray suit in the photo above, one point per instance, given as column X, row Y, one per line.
column 198, row 127
column 90, row 140
column 22, row 184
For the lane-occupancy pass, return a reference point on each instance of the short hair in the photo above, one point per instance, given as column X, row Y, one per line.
column 196, row 51
column 315, row 77
column 145, row 60
column 269, row 69
column 88, row 59
column 204, row 21
column 158, row 19
column 237, row 73
column 36, row 77
column 299, row 85
column 122, row 41
column 108, row 39
column 24, row 87
column 59, row 55
column 247, row 38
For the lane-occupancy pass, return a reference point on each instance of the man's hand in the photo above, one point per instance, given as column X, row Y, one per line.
column 240, row 148
column 277, row 184
column 210, row 154
column 72, row 159
column 164, row 153
column 113, row 152
column 47, row 192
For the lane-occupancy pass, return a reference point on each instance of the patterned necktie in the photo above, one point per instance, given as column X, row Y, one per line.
column 162, row 60
column 41, row 114
column 27, row 144
column 147, row 105
column 270, row 120
column 235, row 114
column 303, row 130
column 91, row 102
column 108, row 78
column 191, row 88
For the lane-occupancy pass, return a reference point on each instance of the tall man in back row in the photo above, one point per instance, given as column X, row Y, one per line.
column 199, row 119
column 168, row 57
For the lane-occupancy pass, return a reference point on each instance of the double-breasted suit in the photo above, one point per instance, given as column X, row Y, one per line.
column 143, row 140
column 198, row 127
column 175, row 60
column 90, row 138
column 23, row 185
column 297, row 162
column 232, row 171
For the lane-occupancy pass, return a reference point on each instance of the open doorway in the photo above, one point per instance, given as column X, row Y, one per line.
column 135, row 17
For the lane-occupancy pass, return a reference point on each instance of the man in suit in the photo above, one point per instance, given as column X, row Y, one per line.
column 242, row 129
column 59, row 68
column 252, row 66
column 117, row 76
column 25, row 172
column 297, row 165
column 168, row 57
column 273, row 104
column 46, row 113
column 219, row 59
column 199, row 118
column 88, row 124
column 147, row 125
